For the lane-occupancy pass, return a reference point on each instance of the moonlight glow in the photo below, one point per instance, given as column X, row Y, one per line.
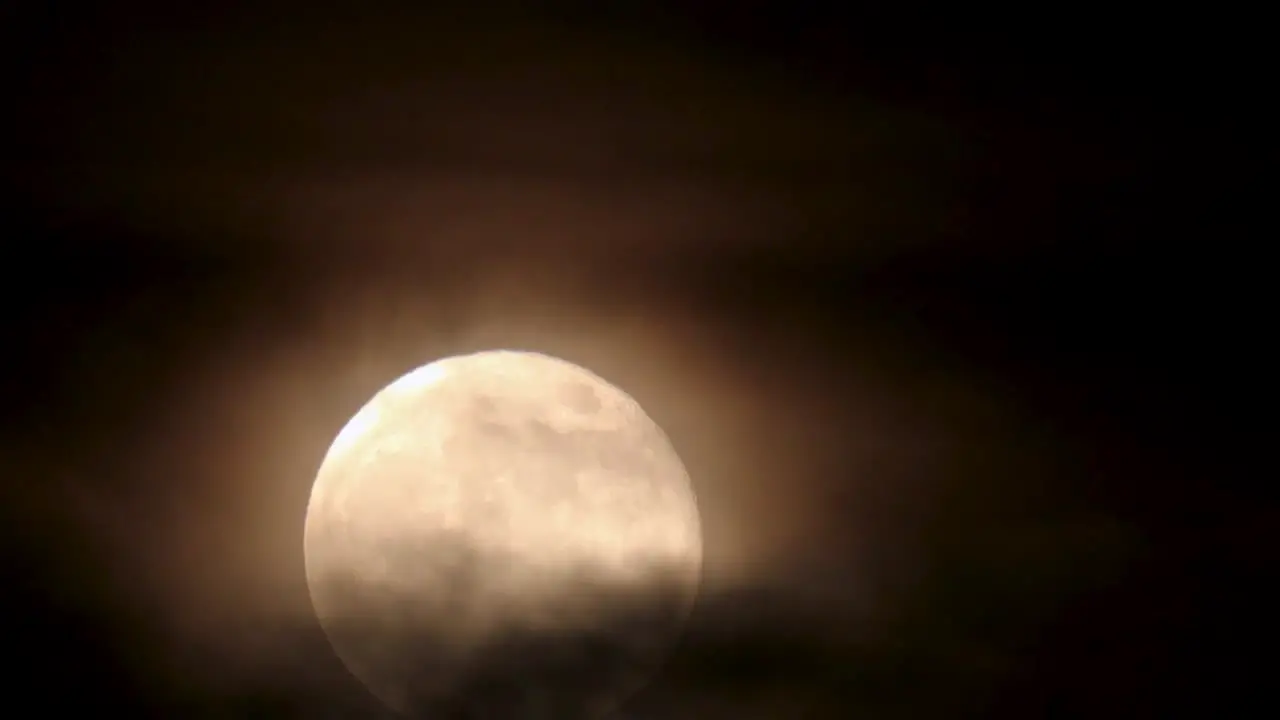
column 495, row 496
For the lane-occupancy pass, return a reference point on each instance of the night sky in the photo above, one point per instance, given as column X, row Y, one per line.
column 940, row 311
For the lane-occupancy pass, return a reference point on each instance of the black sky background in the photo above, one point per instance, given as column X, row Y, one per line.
column 942, row 311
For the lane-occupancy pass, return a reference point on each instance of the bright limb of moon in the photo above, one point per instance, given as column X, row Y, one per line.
column 502, row 534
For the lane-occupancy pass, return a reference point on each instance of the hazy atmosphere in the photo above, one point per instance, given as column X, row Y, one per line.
column 928, row 317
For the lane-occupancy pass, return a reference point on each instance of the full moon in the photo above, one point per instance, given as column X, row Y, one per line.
column 502, row 534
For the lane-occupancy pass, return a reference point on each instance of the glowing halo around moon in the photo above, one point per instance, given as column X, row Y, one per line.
column 502, row 534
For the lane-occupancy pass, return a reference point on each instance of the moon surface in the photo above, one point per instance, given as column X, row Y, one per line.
column 502, row 534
